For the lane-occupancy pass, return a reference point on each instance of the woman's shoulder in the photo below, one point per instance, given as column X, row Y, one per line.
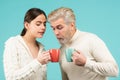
column 12, row 40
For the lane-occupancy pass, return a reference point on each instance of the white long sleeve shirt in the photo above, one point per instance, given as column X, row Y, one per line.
column 99, row 65
column 19, row 63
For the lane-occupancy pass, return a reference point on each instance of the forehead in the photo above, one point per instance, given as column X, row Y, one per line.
column 57, row 22
column 41, row 18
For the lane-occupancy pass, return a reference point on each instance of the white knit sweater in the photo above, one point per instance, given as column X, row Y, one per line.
column 100, row 63
column 19, row 63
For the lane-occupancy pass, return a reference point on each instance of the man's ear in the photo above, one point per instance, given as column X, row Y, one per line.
column 26, row 25
column 72, row 25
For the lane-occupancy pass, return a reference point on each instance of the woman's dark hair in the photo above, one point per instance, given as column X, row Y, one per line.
column 30, row 15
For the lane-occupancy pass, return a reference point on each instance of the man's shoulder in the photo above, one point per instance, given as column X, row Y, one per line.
column 87, row 33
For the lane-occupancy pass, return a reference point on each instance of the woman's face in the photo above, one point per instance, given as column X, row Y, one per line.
column 36, row 28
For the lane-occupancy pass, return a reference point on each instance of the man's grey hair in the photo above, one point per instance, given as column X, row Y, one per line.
column 66, row 13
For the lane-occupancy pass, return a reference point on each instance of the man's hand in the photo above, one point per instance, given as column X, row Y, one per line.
column 78, row 58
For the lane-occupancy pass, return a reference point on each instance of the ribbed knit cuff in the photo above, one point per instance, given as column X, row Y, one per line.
column 89, row 64
column 36, row 65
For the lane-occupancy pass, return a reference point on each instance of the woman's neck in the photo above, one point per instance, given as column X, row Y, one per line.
column 32, row 45
column 29, row 40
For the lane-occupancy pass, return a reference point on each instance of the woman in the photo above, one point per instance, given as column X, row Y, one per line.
column 24, row 57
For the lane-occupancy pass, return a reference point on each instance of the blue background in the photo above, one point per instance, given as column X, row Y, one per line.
column 101, row 17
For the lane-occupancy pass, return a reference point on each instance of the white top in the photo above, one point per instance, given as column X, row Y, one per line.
column 19, row 63
column 100, row 62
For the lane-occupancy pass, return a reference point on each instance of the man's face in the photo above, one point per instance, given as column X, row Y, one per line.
column 62, row 31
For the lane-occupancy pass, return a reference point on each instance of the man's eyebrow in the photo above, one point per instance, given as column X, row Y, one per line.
column 57, row 25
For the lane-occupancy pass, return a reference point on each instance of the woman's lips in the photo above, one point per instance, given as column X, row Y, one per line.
column 41, row 32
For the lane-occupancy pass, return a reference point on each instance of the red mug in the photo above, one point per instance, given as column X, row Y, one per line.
column 54, row 54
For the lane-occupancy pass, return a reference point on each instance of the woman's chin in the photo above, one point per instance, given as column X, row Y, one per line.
column 40, row 36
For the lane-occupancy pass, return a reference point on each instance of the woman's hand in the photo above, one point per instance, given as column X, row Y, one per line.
column 44, row 57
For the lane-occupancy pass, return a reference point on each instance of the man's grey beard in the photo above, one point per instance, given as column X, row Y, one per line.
column 65, row 41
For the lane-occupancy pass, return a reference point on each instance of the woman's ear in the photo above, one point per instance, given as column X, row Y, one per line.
column 26, row 25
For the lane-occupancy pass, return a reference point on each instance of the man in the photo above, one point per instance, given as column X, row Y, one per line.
column 92, row 60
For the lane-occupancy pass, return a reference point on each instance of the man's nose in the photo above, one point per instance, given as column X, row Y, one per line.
column 56, row 32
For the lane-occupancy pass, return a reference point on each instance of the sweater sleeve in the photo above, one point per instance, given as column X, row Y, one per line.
column 44, row 70
column 64, row 75
column 12, row 69
column 28, row 71
column 103, row 62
